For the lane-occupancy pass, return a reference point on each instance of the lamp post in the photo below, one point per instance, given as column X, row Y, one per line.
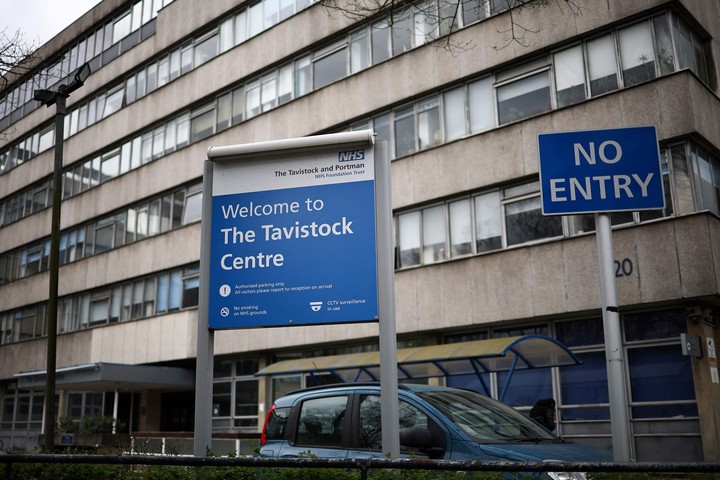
column 48, row 98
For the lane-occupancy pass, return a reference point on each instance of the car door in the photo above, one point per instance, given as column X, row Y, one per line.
column 319, row 428
column 366, row 440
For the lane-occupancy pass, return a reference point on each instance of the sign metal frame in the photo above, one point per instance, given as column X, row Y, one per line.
column 382, row 305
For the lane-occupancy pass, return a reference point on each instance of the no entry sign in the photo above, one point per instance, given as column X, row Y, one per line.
column 600, row 171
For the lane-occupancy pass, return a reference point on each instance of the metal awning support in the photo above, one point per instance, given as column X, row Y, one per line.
column 477, row 357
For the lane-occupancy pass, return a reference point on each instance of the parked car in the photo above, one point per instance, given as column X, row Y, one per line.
column 343, row 421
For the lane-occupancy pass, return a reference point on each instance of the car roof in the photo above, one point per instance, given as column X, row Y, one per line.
column 290, row 398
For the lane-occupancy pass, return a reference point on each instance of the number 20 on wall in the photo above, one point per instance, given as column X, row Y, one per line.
column 623, row 268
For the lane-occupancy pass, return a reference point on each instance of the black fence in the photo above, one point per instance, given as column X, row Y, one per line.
column 363, row 465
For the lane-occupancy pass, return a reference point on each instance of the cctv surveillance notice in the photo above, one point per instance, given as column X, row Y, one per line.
column 293, row 240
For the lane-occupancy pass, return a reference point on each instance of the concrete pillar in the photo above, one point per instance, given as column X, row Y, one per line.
column 703, row 323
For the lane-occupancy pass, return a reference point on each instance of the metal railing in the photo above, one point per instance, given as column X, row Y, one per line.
column 361, row 465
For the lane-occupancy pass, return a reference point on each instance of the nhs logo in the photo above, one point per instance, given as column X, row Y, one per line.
column 351, row 155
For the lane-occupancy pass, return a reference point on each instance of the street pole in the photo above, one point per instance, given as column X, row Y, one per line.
column 619, row 418
column 49, row 417
column 48, row 98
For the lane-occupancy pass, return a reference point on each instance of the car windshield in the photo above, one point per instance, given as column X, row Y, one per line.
column 484, row 419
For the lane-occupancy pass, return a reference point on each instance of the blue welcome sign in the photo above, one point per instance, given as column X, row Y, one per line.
column 293, row 240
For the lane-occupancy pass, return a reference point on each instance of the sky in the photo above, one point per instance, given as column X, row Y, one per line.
column 40, row 20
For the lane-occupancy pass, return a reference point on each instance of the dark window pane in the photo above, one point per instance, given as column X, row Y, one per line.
column 652, row 370
column 654, row 325
column 523, row 98
column 330, row 68
column 580, row 332
column 525, row 222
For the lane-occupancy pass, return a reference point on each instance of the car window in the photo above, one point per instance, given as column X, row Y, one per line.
column 276, row 423
column 321, row 421
column 370, row 429
column 485, row 419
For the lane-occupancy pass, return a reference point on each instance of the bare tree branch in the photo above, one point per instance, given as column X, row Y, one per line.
column 16, row 56
column 440, row 17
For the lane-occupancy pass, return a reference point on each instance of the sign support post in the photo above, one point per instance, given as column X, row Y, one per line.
column 390, row 416
column 613, row 341
column 205, row 336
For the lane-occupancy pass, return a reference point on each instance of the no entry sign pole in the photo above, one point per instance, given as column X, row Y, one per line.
column 603, row 171
column 617, row 394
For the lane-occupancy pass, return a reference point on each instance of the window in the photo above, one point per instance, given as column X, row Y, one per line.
column 152, row 78
column 224, row 109
column 47, row 139
column 473, row 10
column 238, row 105
column 523, row 97
column 226, row 35
column 246, row 401
column 163, row 71
column 460, row 228
column 409, row 239
column 113, row 102
column 303, row 76
column 370, row 428
column 569, row 76
column 663, row 40
column 255, row 19
column 637, row 53
column 287, row 9
column 272, row 12
column 252, row 100
column 193, row 208
column 285, row 84
column 359, row 50
column 707, row 169
column 268, row 92
column 154, row 218
column 104, row 235
column 121, row 28
column 404, row 131
column 99, row 307
column 206, row 48
column 433, row 228
column 202, row 124
column 652, row 369
column 524, row 221
column 401, row 31
column 429, row 133
column 690, row 48
column 240, row 27
column 221, row 399
column 183, row 130
column 585, row 384
column 321, row 421
column 454, row 113
column 329, row 65
column 481, row 105
column 191, row 287
column 186, row 59
column 380, row 41
column 158, row 142
column 602, row 65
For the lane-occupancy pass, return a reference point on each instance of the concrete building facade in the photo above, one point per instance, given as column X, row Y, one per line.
column 458, row 106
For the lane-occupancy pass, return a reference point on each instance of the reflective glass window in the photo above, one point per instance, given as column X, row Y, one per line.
column 602, row 65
